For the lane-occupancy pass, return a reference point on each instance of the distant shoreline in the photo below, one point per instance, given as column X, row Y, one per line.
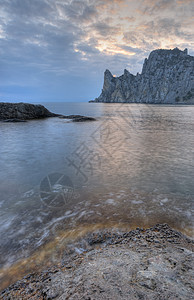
column 141, row 103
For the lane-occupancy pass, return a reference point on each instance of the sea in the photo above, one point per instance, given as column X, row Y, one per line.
column 59, row 180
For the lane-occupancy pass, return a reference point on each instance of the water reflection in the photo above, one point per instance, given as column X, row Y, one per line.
column 134, row 166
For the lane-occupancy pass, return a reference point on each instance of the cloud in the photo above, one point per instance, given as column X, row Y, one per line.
column 61, row 41
column 105, row 30
column 151, row 6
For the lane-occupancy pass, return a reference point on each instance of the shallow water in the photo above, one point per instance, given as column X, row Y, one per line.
column 134, row 166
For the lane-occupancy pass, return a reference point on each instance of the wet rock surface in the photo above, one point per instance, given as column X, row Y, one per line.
column 18, row 112
column 154, row 263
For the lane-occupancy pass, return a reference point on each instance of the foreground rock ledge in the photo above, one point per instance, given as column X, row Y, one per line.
column 155, row 263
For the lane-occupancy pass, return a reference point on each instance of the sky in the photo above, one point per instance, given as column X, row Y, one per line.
column 58, row 50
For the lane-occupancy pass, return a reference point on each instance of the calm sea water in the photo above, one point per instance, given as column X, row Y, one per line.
column 134, row 166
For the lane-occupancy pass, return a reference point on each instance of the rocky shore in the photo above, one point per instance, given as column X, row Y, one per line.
column 154, row 263
column 21, row 112
column 16, row 112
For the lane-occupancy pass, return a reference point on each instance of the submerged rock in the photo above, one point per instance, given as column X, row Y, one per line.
column 78, row 118
column 83, row 119
column 17, row 112
column 167, row 77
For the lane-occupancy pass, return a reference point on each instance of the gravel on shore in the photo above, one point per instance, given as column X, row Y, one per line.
column 154, row 263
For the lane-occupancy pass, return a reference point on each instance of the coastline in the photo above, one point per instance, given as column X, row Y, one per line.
column 155, row 263
column 157, row 104
column 169, row 250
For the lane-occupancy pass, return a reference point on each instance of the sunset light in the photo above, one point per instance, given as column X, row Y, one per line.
column 82, row 37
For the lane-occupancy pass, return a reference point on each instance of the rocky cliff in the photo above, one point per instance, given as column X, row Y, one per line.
column 167, row 77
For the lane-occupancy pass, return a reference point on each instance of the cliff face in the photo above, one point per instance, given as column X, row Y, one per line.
column 167, row 77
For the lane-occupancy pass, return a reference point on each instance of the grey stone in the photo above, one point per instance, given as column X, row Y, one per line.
column 116, row 271
column 167, row 77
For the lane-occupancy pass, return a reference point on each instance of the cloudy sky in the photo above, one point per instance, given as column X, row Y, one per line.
column 57, row 50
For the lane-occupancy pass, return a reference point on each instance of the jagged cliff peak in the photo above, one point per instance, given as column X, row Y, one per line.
column 167, row 77
column 108, row 73
column 175, row 51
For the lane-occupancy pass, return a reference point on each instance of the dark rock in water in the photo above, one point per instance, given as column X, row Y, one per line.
column 78, row 118
column 70, row 117
column 167, row 77
column 20, row 112
column 83, row 119
column 14, row 121
column 17, row 112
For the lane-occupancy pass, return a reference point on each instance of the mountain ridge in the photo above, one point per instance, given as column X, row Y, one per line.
column 167, row 77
